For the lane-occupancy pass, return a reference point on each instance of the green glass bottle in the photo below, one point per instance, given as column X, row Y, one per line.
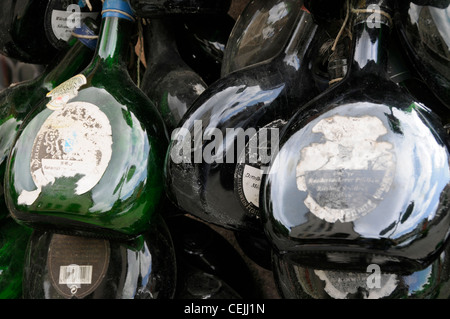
column 88, row 160
column 13, row 243
column 17, row 101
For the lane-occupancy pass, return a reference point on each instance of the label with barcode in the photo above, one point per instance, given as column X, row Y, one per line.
column 75, row 275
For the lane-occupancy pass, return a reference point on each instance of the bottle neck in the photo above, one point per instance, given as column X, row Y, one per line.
column 160, row 41
column 115, row 31
column 371, row 30
column 74, row 60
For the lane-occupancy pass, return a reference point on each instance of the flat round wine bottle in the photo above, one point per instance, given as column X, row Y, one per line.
column 209, row 172
column 18, row 100
column 22, row 31
column 168, row 81
column 13, row 244
column 203, row 252
column 63, row 16
column 423, row 29
column 88, row 160
column 160, row 8
column 60, row 266
column 297, row 282
column 260, row 33
column 362, row 173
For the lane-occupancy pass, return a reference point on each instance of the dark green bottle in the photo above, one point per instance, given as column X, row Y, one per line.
column 168, row 80
column 18, row 100
column 59, row 266
column 88, row 160
column 13, row 243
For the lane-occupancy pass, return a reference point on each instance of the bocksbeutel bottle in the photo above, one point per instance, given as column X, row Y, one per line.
column 13, row 244
column 297, row 282
column 260, row 33
column 213, row 165
column 22, row 35
column 19, row 99
column 206, row 255
column 168, row 81
column 362, row 173
column 88, row 160
column 59, row 266
column 62, row 17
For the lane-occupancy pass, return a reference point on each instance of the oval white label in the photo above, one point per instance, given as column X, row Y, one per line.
column 75, row 140
column 348, row 174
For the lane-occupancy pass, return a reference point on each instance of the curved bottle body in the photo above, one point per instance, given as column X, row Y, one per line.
column 18, row 100
column 423, row 31
column 362, row 173
column 297, row 282
column 13, row 243
column 207, row 156
column 88, row 159
column 73, row 267
column 168, row 81
column 260, row 33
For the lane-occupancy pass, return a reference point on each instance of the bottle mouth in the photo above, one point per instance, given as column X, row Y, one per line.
column 373, row 15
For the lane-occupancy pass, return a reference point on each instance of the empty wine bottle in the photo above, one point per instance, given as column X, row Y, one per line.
column 362, row 173
column 88, row 160
column 163, row 8
column 18, row 100
column 203, row 252
column 423, row 32
column 208, row 172
column 22, row 35
column 168, row 81
column 260, row 33
column 13, row 243
column 296, row 282
column 63, row 16
column 60, row 266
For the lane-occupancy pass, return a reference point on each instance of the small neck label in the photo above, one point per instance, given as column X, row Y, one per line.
column 67, row 90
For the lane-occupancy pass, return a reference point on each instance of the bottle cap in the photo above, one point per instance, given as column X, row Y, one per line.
column 86, row 35
column 118, row 8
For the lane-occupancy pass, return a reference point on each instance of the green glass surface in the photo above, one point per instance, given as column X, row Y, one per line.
column 121, row 203
column 13, row 243
column 18, row 100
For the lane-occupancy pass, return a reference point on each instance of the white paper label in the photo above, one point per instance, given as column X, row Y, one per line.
column 75, row 275
column 348, row 174
column 63, row 22
column 251, row 182
column 74, row 140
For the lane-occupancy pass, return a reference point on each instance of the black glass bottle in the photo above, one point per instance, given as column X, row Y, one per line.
column 203, row 252
column 88, row 160
column 202, row 43
column 260, row 33
column 297, row 282
column 168, row 81
column 60, row 266
column 362, row 174
column 63, row 16
column 22, row 32
column 206, row 168
column 18, row 100
column 423, row 29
